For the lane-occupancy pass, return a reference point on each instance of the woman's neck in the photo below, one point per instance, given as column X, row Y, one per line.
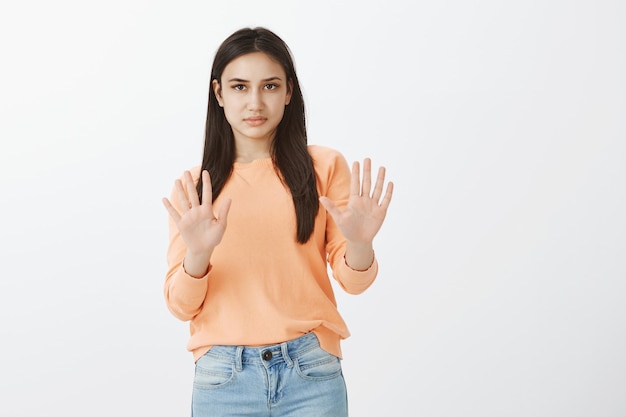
column 250, row 150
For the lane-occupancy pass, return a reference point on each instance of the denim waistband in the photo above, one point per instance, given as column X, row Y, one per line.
column 267, row 355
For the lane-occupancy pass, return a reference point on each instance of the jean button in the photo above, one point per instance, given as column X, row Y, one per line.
column 267, row 355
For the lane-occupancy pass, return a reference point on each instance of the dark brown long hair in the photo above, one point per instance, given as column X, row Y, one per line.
column 289, row 152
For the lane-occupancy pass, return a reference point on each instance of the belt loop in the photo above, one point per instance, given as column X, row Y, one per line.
column 285, row 350
column 238, row 359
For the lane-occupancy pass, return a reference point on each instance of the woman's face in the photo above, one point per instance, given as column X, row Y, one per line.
column 253, row 92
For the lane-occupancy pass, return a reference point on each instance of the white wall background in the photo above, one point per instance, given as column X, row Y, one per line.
column 503, row 273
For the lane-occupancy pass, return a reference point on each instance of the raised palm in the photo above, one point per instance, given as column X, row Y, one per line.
column 365, row 212
column 201, row 230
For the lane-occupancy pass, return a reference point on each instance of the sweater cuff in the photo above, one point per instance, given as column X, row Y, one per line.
column 205, row 276
column 190, row 283
column 355, row 282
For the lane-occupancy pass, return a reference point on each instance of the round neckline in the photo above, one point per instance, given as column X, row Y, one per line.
column 254, row 163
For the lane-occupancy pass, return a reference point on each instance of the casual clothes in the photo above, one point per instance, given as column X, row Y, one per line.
column 263, row 287
column 290, row 379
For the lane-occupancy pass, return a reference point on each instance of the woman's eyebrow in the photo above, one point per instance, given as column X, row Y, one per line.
column 241, row 80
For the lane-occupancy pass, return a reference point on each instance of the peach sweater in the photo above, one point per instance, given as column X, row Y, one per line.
column 263, row 287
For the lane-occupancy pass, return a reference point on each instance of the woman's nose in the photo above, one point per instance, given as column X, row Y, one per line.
column 255, row 100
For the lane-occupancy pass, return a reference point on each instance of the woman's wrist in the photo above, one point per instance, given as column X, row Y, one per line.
column 359, row 256
column 197, row 265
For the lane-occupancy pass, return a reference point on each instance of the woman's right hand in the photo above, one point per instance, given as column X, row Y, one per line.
column 199, row 228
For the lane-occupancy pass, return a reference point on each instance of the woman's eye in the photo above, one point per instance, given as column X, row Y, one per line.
column 271, row 86
column 239, row 87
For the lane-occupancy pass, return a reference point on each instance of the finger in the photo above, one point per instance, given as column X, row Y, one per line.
column 183, row 201
column 378, row 187
column 171, row 210
column 330, row 207
column 355, row 180
column 367, row 177
column 207, row 190
column 387, row 198
column 192, row 193
column 222, row 216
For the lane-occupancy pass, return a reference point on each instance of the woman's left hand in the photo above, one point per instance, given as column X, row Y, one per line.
column 365, row 212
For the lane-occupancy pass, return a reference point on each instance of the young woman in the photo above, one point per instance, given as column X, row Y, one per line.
column 250, row 245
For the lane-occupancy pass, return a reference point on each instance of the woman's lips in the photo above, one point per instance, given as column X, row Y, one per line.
column 255, row 121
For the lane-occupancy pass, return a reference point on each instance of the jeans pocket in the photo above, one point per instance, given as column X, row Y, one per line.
column 212, row 371
column 317, row 364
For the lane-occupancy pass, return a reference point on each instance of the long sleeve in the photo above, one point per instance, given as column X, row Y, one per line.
column 334, row 182
column 263, row 286
column 184, row 294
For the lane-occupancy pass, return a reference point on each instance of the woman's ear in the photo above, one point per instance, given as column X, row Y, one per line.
column 217, row 89
column 289, row 91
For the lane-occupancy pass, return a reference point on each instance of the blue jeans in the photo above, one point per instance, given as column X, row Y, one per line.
column 292, row 379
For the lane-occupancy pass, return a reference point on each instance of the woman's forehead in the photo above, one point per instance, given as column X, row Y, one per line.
column 254, row 66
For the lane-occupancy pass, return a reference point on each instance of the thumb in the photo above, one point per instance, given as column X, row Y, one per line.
column 223, row 212
column 330, row 206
